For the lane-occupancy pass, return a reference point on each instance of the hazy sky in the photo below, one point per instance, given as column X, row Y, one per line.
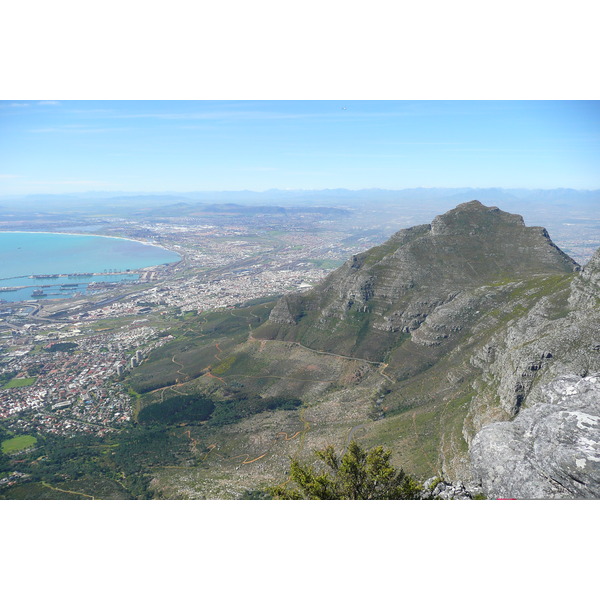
column 73, row 146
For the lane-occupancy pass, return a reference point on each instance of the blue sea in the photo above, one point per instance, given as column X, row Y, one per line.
column 26, row 254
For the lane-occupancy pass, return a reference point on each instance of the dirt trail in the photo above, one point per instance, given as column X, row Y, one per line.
column 351, row 433
column 209, row 374
column 66, row 491
column 193, row 440
column 286, row 378
column 246, row 461
column 381, row 365
column 162, row 390
column 381, row 370
column 286, row 438
column 179, row 371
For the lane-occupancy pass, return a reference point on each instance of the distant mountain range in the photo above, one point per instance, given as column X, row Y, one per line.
column 557, row 195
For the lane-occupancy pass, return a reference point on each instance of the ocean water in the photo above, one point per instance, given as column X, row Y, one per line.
column 26, row 254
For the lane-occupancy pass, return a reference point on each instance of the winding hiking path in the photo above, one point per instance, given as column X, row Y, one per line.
column 179, row 371
column 351, row 433
column 67, row 491
column 381, row 365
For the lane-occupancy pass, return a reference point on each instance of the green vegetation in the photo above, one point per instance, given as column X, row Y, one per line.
column 18, row 443
column 85, row 466
column 179, row 409
column 4, row 459
column 256, row 301
column 435, row 482
column 357, row 475
column 198, row 343
column 6, row 377
column 62, row 347
column 14, row 383
column 241, row 407
column 142, row 448
column 326, row 263
column 224, row 365
column 197, row 396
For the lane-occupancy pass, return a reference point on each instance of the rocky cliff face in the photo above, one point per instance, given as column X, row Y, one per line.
column 552, row 361
column 585, row 294
column 551, row 450
column 558, row 335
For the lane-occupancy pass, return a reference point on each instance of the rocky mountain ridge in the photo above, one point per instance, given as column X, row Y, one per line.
column 417, row 271
column 449, row 344
column 476, row 309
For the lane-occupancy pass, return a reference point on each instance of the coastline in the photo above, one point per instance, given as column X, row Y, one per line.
column 110, row 237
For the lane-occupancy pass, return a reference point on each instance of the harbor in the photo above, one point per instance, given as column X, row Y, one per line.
column 75, row 275
column 41, row 287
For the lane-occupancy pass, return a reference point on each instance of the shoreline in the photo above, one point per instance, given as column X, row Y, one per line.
column 110, row 237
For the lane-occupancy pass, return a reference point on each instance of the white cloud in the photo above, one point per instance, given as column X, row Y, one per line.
column 7, row 176
column 48, row 102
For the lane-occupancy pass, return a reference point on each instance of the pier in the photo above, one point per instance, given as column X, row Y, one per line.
column 74, row 275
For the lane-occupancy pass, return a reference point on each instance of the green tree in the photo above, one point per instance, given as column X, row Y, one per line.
column 357, row 475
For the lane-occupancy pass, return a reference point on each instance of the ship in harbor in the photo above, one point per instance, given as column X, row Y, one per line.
column 44, row 276
column 66, row 286
column 73, row 275
column 38, row 294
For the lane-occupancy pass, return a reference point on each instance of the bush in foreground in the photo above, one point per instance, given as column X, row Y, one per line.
column 357, row 475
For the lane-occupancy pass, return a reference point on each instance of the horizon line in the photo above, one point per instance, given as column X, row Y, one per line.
column 326, row 189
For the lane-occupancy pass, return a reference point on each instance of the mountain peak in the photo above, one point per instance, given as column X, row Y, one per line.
column 474, row 205
column 393, row 287
column 472, row 217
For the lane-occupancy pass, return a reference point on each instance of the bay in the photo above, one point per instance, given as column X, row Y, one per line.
column 23, row 254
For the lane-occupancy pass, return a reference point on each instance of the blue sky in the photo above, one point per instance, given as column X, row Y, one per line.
column 154, row 146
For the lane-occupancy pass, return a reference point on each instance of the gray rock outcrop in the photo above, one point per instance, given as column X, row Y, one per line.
column 550, row 450
column 436, row 489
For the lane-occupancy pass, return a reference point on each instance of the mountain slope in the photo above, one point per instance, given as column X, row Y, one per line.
column 420, row 344
column 362, row 307
column 470, row 315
